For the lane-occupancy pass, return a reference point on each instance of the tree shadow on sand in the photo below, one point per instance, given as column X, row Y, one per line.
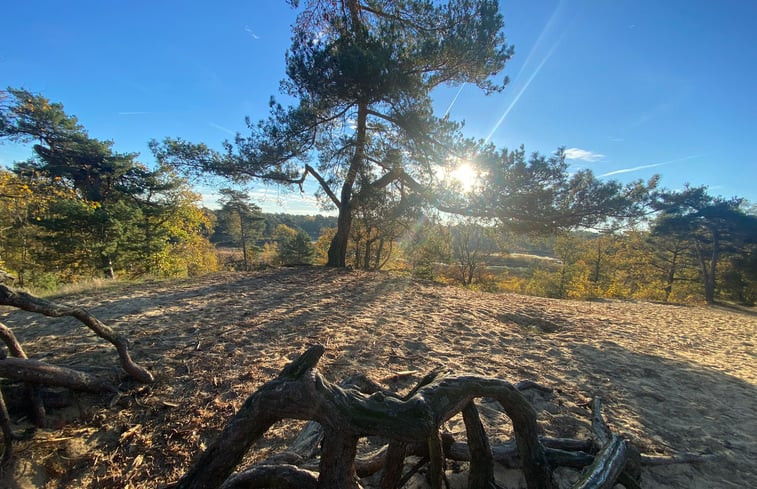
column 673, row 406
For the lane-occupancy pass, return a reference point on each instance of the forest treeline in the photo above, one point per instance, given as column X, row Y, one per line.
column 77, row 209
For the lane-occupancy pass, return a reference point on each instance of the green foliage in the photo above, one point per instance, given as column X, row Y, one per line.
column 363, row 119
column 90, row 210
column 313, row 225
column 537, row 195
column 714, row 229
column 296, row 248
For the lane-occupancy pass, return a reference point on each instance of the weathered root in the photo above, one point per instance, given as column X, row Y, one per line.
column 358, row 407
column 28, row 302
column 300, row 392
column 277, row 476
column 33, row 392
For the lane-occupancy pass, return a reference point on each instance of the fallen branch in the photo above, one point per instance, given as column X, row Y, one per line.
column 38, row 372
column 28, row 302
column 607, row 466
column 32, row 393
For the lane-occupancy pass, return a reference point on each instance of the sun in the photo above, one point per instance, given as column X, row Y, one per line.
column 466, row 175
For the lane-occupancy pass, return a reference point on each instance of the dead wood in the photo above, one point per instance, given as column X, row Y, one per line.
column 28, row 302
column 617, row 459
column 481, row 461
column 273, row 477
column 506, row 455
column 607, row 466
column 300, row 392
column 32, row 392
column 37, row 372
column 341, row 414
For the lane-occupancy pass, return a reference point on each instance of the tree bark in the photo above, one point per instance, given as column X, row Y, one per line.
column 393, row 462
column 607, row 467
column 337, row 254
column 481, row 463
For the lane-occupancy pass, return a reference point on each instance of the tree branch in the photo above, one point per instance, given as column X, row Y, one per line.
column 324, row 185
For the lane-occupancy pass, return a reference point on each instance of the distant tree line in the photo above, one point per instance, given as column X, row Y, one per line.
column 77, row 209
column 691, row 247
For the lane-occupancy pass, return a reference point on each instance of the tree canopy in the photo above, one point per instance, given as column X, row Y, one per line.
column 713, row 226
column 362, row 75
column 94, row 208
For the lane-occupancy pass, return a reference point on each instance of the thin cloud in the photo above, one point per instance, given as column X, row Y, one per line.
column 221, row 128
column 652, row 165
column 251, row 33
column 136, row 112
column 582, row 154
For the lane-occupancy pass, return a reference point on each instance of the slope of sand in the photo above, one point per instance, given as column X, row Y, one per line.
column 672, row 378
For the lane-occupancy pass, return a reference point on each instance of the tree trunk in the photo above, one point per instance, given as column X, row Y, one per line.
column 709, row 286
column 672, row 269
column 243, row 233
column 108, row 267
column 708, row 266
column 337, row 255
column 367, row 252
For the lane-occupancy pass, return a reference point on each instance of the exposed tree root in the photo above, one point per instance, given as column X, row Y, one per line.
column 359, row 407
column 36, row 374
column 28, row 302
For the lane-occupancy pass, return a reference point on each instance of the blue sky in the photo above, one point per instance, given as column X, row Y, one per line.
column 630, row 87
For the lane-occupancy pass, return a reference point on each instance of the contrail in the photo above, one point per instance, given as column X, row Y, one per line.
column 547, row 28
column 221, row 128
column 652, row 165
column 453, row 101
column 522, row 90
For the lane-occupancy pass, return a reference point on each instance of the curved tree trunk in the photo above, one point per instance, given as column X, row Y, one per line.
column 337, row 255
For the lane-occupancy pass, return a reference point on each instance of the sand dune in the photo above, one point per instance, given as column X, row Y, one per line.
column 672, row 378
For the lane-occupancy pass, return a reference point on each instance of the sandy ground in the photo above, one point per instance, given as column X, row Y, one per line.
column 672, row 378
